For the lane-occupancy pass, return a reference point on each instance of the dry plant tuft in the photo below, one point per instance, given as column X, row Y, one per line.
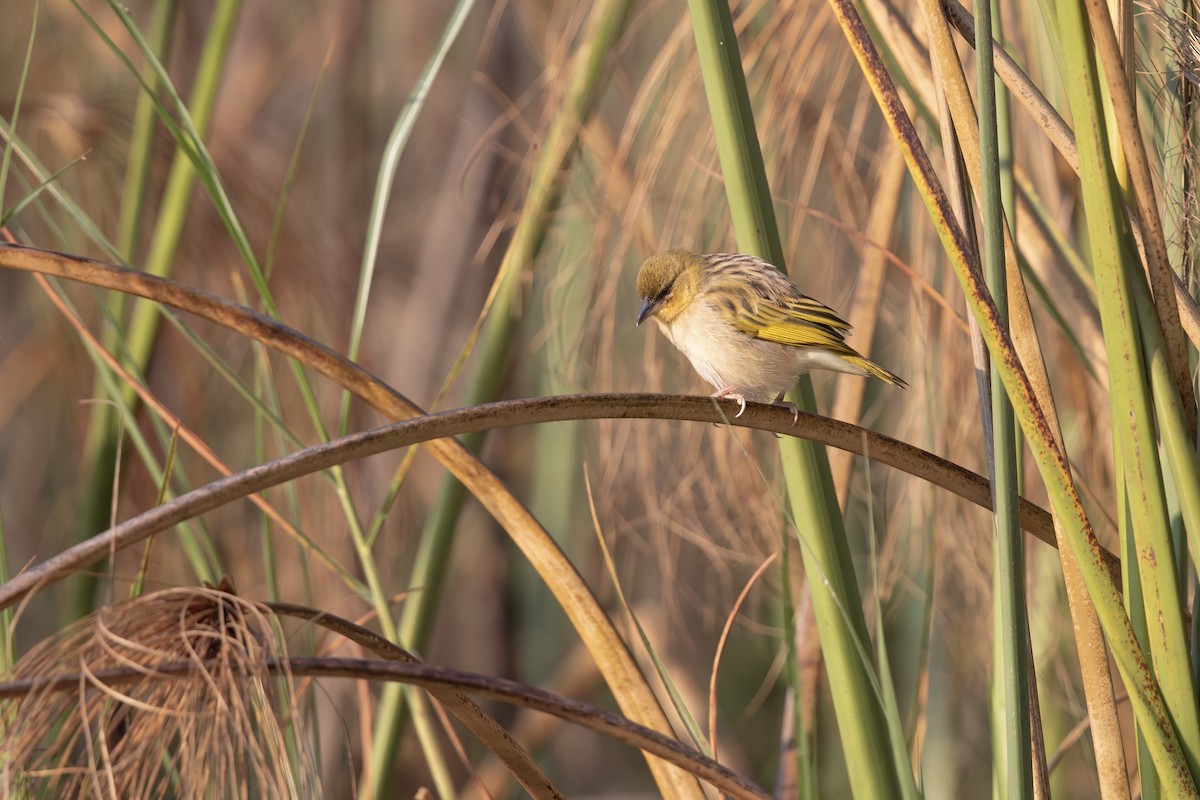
column 220, row 733
column 1179, row 96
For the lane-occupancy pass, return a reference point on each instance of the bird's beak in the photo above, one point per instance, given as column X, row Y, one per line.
column 648, row 307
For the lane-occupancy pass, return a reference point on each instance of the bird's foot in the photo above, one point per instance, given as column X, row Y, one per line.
column 732, row 393
column 789, row 405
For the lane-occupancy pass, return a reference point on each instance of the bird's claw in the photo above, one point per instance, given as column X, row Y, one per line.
column 729, row 393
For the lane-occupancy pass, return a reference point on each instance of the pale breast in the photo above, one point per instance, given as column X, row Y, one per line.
column 726, row 357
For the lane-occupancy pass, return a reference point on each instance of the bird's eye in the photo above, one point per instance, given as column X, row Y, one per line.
column 663, row 294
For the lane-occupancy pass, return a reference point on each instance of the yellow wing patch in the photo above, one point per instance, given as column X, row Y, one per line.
column 800, row 322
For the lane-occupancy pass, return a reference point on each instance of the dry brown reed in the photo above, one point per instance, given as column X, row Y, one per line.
column 230, row 730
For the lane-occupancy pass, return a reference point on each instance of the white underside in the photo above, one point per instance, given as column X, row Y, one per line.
column 730, row 359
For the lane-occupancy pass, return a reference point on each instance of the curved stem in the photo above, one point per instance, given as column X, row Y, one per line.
column 510, row 413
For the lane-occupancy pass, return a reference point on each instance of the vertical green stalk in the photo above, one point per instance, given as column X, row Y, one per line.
column 1150, row 786
column 1094, row 663
column 1177, row 442
column 1010, row 552
column 1113, row 258
column 143, row 327
column 172, row 212
column 823, row 546
column 1146, row 698
column 100, row 446
column 141, row 140
column 799, row 748
column 1134, row 173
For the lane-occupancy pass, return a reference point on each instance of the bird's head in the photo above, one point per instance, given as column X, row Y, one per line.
column 668, row 283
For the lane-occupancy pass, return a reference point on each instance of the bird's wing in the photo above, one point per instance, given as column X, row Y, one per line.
column 798, row 321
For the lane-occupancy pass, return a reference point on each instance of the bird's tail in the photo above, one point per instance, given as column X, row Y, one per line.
column 868, row 367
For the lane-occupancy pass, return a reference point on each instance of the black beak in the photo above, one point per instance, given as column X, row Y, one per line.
column 648, row 307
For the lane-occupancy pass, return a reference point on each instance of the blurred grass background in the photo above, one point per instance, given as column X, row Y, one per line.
column 307, row 93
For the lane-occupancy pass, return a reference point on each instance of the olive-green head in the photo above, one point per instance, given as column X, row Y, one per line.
column 667, row 283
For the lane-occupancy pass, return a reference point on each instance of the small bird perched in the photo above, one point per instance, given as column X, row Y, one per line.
column 746, row 328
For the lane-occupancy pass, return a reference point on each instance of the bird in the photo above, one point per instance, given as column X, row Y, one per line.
column 745, row 327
